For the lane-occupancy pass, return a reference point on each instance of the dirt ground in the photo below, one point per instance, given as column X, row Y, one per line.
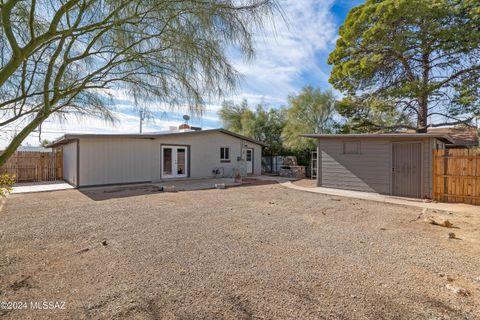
column 254, row 252
column 306, row 183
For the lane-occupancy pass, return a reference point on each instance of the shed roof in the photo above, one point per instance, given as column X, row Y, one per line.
column 407, row 136
column 152, row 135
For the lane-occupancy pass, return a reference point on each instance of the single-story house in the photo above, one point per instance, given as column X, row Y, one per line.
column 398, row 164
column 105, row 159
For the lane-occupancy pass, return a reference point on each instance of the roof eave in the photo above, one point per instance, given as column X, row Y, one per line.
column 71, row 137
column 445, row 138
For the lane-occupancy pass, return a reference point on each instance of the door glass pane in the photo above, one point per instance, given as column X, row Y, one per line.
column 167, row 161
column 181, row 161
column 249, row 155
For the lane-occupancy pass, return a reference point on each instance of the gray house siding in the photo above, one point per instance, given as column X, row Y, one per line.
column 111, row 161
column 371, row 170
column 70, row 163
column 116, row 160
column 205, row 154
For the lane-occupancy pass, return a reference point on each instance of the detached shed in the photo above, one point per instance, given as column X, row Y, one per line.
column 398, row 164
column 104, row 159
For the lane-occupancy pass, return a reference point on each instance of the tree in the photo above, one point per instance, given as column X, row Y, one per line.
column 233, row 116
column 311, row 111
column 262, row 124
column 376, row 117
column 61, row 57
column 416, row 61
column 45, row 142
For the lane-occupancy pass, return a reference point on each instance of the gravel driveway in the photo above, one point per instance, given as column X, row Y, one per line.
column 257, row 252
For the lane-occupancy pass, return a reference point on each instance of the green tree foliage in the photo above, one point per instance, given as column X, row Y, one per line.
column 232, row 116
column 60, row 57
column 6, row 182
column 409, row 64
column 263, row 125
column 311, row 111
column 359, row 118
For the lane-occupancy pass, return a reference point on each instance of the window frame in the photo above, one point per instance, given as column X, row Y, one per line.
column 222, row 150
column 359, row 148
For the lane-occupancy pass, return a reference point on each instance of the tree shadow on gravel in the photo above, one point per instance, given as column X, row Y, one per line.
column 429, row 305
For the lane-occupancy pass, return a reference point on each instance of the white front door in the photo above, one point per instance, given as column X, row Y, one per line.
column 248, row 157
column 174, row 161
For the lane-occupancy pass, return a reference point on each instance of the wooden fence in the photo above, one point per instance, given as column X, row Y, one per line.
column 456, row 175
column 35, row 166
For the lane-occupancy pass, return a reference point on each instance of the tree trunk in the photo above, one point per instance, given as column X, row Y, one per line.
column 422, row 115
column 15, row 143
column 423, row 99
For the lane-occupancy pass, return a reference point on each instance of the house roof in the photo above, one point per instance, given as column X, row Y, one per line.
column 151, row 135
column 443, row 137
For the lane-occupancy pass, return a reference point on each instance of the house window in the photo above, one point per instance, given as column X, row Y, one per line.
column 351, row 147
column 225, row 154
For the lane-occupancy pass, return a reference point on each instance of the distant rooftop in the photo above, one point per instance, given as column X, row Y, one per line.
column 33, row 149
column 462, row 136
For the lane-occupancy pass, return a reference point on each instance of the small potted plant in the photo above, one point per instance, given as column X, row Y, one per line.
column 237, row 177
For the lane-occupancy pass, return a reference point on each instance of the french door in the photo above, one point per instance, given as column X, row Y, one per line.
column 174, row 162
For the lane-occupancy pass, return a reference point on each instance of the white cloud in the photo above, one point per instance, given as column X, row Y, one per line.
column 287, row 52
column 53, row 129
column 287, row 58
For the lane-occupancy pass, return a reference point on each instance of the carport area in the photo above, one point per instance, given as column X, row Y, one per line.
column 250, row 252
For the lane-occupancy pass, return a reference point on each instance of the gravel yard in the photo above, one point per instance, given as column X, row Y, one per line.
column 255, row 252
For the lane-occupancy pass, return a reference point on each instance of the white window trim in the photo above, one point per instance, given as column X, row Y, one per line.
column 229, row 154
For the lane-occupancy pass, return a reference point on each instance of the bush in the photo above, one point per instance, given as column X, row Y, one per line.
column 6, row 182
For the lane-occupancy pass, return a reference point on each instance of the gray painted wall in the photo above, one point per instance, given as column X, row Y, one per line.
column 111, row 161
column 70, row 163
column 368, row 171
column 128, row 160
column 371, row 169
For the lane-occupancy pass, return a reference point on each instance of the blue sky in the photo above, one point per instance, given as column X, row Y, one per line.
column 289, row 56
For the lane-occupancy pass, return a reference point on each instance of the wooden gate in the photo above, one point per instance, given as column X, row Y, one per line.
column 29, row 166
column 456, row 175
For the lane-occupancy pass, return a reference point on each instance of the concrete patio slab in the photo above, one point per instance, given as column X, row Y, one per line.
column 100, row 193
column 40, row 186
column 197, row 184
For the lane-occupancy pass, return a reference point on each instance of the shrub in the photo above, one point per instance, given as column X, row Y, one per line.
column 6, row 182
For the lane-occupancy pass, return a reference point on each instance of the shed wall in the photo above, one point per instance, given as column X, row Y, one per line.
column 370, row 170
